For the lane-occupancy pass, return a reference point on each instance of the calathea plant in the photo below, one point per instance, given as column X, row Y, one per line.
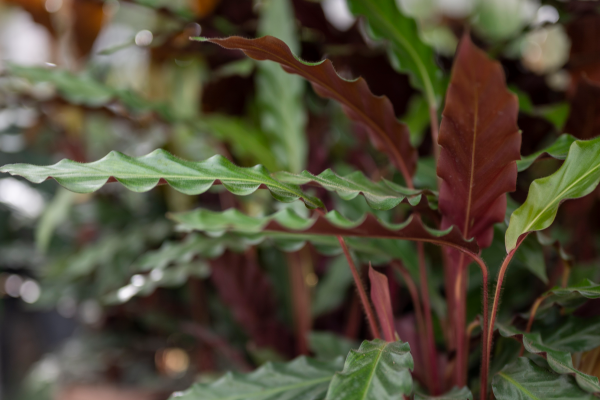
column 477, row 150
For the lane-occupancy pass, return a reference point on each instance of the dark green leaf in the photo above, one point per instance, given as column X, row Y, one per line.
column 301, row 379
column 377, row 370
column 574, row 295
column 454, row 394
column 575, row 334
column 524, row 380
column 328, row 346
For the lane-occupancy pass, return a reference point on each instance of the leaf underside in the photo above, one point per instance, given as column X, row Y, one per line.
column 377, row 370
column 376, row 113
column 578, row 176
column 480, row 143
column 560, row 361
column 141, row 174
column 301, row 379
column 525, row 380
column 332, row 224
column 382, row 302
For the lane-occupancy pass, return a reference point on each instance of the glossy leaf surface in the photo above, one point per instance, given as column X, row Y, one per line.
column 333, row 224
column 301, row 379
column 574, row 295
column 559, row 150
column 455, row 394
column 382, row 302
column 480, row 143
column 375, row 113
column 575, row 334
column 525, row 380
column 578, row 176
column 377, row 370
column 407, row 51
column 559, row 361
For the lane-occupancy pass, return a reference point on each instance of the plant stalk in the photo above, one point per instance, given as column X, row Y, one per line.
column 433, row 120
column 361, row 291
column 485, row 356
column 429, row 338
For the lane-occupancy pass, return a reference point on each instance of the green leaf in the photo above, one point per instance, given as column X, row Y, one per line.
column 574, row 295
column 559, row 150
column 329, row 346
column 560, row 361
column 55, row 214
column 141, row 174
column 455, row 394
column 279, row 94
column 332, row 288
column 331, row 224
column 531, row 256
column 525, row 380
column 417, row 119
column 301, row 379
column 575, row 335
column 578, row 176
column 377, row 370
column 408, row 52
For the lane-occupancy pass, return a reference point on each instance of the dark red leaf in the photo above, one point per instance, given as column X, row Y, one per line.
column 376, row 113
column 480, row 145
column 380, row 296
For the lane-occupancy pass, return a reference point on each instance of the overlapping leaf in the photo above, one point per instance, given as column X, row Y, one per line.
column 377, row 370
column 480, row 143
column 577, row 177
column 575, row 335
column 560, row 361
column 559, row 150
column 455, row 394
column 525, row 380
column 408, row 52
column 144, row 173
column 333, row 224
column 375, row 113
column 575, row 295
column 301, row 379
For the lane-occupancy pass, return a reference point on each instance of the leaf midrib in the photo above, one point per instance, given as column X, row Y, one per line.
column 518, row 385
column 558, row 197
column 364, row 395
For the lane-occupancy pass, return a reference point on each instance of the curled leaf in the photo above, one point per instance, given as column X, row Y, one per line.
column 380, row 296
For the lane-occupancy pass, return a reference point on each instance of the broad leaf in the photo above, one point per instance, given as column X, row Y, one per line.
column 575, row 295
column 559, row 150
column 455, row 394
column 408, row 52
column 480, row 143
column 332, row 224
column 578, row 176
column 382, row 302
column 377, row 370
column 559, row 361
column 141, row 174
column 575, row 335
column 329, row 346
column 375, row 113
column 279, row 95
column 301, row 379
column 525, row 380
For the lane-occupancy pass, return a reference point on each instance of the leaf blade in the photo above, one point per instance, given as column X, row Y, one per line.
column 380, row 296
column 577, row 177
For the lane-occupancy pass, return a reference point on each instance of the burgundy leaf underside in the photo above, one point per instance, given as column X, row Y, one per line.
column 374, row 112
column 380, row 296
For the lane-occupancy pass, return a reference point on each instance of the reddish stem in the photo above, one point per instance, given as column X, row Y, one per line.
column 485, row 355
column 429, row 338
column 414, row 294
column 434, row 132
column 460, row 321
column 532, row 313
column 361, row 291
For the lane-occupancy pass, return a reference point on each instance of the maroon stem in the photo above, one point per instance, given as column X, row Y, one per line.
column 434, row 132
column 460, row 321
column 485, row 355
column 429, row 338
column 414, row 294
column 361, row 291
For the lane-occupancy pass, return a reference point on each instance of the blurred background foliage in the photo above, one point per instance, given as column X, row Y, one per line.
column 101, row 297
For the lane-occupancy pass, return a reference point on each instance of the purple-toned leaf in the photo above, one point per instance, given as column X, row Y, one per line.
column 380, row 296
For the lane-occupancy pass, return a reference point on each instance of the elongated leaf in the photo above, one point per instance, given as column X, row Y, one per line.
column 141, row 174
column 480, row 143
column 279, row 94
column 575, row 334
column 574, row 295
column 333, row 223
column 455, row 394
column 559, row 150
column 380, row 296
column 375, row 113
column 407, row 51
column 560, row 361
column 578, row 176
column 525, row 380
column 301, row 379
column 377, row 370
